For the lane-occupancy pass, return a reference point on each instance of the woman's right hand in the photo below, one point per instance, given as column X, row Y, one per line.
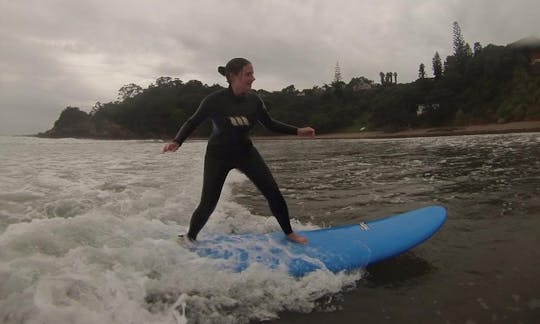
column 170, row 147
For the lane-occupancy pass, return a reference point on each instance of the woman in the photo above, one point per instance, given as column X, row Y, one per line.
column 234, row 112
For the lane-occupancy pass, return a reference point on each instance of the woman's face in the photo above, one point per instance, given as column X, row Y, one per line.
column 241, row 82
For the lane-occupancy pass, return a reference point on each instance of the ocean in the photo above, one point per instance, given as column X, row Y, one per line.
column 87, row 232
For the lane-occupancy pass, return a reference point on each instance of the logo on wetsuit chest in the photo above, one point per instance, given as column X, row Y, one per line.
column 239, row 121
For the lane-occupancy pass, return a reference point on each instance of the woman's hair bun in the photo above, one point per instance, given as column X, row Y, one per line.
column 222, row 70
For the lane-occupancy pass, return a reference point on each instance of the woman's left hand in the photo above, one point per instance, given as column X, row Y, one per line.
column 170, row 147
column 306, row 132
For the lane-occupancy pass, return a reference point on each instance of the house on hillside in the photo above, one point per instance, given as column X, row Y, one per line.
column 531, row 47
column 423, row 108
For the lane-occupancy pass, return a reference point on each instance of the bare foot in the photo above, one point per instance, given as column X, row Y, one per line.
column 186, row 241
column 297, row 238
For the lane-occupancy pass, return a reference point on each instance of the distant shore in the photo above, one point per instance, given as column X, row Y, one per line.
column 513, row 127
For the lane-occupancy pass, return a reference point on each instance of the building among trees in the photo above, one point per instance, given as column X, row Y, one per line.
column 531, row 46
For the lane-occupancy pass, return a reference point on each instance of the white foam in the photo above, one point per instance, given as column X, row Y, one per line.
column 88, row 240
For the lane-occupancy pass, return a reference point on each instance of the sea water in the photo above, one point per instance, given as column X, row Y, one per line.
column 481, row 267
column 87, row 231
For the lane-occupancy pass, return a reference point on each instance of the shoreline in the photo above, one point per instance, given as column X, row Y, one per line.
column 481, row 129
column 484, row 129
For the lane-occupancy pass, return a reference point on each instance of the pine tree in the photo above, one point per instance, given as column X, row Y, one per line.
column 337, row 74
column 422, row 71
column 462, row 50
column 458, row 42
column 437, row 66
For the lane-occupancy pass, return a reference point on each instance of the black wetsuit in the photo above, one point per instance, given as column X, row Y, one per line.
column 229, row 147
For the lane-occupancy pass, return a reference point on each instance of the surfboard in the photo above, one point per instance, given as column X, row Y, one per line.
column 336, row 249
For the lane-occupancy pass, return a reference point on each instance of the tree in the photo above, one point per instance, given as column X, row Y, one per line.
column 337, row 74
column 290, row 90
column 360, row 83
column 97, row 107
column 468, row 51
column 477, row 48
column 462, row 50
column 437, row 66
column 422, row 71
column 395, row 77
column 164, row 81
column 338, row 83
column 129, row 91
column 458, row 42
column 381, row 74
column 389, row 76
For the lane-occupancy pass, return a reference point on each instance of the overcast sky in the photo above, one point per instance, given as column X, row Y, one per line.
column 59, row 53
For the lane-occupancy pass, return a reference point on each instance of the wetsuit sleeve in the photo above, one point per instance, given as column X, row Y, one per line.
column 193, row 122
column 264, row 118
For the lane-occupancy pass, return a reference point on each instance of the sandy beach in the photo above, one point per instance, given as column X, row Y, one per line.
column 513, row 127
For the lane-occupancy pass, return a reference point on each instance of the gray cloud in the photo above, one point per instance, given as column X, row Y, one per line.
column 60, row 52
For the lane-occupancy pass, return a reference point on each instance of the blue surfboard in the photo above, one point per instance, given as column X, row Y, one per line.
column 336, row 249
